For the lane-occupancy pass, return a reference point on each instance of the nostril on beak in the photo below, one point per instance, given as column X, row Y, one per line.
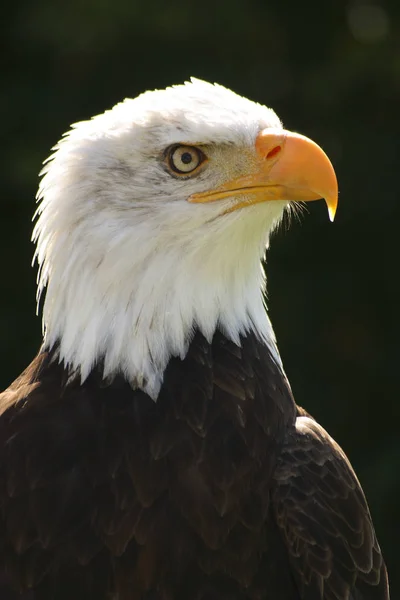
column 273, row 152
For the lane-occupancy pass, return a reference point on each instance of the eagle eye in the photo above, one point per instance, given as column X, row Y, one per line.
column 184, row 160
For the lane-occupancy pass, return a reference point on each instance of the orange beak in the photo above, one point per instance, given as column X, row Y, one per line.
column 292, row 167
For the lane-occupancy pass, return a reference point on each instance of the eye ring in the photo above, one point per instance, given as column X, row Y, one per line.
column 183, row 159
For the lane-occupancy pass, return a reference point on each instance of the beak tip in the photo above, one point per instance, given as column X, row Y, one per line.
column 332, row 206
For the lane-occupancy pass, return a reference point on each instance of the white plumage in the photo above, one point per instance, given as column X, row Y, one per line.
column 129, row 265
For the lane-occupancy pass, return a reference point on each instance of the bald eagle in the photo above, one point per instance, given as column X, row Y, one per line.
column 153, row 449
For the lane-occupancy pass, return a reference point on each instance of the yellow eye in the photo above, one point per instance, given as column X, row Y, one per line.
column 184, row 159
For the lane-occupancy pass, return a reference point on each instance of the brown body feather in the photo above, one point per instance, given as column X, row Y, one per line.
column 220, row 489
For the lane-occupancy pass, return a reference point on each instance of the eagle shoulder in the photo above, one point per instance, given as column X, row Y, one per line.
column 324, row 519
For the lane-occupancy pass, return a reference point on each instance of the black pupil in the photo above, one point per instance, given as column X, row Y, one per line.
column 186, row 158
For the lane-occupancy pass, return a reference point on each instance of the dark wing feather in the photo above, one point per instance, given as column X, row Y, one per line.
column 324, row 518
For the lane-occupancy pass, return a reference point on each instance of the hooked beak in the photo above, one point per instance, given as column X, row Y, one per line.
column 292, row 168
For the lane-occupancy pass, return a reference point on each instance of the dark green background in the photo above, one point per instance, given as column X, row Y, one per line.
column 331, row 69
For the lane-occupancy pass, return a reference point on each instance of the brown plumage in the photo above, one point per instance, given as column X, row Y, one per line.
column 221, row 489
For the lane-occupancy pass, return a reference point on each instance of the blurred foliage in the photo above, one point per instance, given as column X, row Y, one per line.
column 332, row 71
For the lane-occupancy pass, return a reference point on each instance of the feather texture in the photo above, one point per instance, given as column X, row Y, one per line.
column 215, row 491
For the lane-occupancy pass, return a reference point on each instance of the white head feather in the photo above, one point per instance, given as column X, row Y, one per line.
column 130, row 267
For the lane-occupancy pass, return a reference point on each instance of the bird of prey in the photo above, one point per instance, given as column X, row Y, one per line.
column 153, row 449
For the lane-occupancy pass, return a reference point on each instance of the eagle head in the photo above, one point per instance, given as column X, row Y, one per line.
column 152, row 221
